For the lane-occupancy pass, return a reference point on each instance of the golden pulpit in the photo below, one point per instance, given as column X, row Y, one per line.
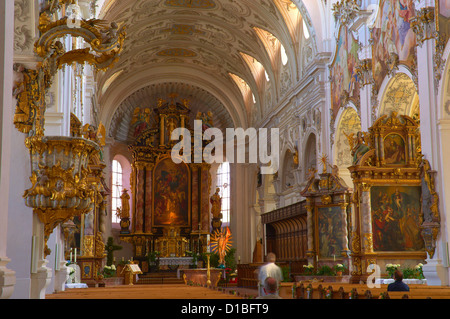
column 171, row 244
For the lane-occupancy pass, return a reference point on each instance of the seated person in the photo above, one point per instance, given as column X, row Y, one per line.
column 270, row 288
column 398, row 285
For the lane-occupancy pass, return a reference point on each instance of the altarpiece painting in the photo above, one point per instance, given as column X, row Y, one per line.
column 171, row 194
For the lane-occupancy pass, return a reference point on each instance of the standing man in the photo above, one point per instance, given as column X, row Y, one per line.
column 269, row 270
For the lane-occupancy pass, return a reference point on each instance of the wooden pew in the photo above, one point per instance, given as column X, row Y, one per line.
column 321, row 290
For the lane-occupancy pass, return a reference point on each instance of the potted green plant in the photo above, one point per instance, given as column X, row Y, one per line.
column 308, row 270
column 339, row 269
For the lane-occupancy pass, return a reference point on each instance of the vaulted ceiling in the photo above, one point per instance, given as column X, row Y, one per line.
column 199, row 49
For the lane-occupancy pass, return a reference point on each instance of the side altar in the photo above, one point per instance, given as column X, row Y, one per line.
column 395, row 217
column 169, row 206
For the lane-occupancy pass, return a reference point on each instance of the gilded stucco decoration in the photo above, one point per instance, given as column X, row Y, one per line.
column 60, row 169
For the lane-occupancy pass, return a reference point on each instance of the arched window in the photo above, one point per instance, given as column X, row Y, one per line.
column 223, row 182
column 117, row 187
column 284, row 57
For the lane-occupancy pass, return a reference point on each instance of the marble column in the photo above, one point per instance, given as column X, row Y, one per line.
column 41, row 275
column 345, row 249
column 7, row 276
column 148, row 209
column 310, row 227
column 60, row 262
column 366, row 220
column 140, row 198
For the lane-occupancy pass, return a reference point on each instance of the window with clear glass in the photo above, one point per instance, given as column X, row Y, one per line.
column 117, row 186
column 223, row 182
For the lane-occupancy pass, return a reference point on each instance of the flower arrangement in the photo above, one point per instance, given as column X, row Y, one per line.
column 109, row 271
column 416, row 272
column 419, row 271
column 391, row 268
column 309, row 269
column 339, row 268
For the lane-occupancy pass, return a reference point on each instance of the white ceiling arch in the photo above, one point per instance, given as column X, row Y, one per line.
column 196, row 44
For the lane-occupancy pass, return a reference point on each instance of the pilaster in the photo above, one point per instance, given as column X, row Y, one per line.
column 435, row 269
column 7, row 276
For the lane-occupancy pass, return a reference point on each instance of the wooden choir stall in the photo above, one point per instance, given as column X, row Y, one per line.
column 169, row 202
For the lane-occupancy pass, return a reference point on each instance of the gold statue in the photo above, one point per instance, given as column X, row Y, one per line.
column 216, row 202
column 221, row 243
column 125, row 210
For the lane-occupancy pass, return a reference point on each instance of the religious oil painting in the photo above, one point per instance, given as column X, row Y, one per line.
column 171, row 193
column 396, row 218
column 329, row 230
column 394, row 41
column 394, row 149
column 344, row 80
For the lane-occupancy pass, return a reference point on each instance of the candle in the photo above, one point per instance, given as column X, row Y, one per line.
column 75, row 256
column 334, row 257
column 70, row 254
column 208, row 247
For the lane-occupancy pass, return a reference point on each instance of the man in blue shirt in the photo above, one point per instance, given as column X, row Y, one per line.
column 398, row 285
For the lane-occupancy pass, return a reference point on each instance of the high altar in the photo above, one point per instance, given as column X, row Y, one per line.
column 169, row 201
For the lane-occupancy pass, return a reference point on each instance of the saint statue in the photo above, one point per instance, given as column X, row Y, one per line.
column 360, row 147
column 125, row 211
column 216, row 202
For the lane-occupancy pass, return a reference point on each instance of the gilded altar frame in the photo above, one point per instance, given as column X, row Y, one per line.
column 151, row 147
column 389, row 182
column 328, row 192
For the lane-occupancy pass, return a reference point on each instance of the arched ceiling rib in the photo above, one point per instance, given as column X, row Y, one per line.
column 205, row 39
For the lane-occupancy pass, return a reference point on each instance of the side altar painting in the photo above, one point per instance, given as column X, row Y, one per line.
column 396, row 218
column 330, row 231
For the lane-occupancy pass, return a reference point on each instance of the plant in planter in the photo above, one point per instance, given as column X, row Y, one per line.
column 110, row 248
column 308, row 270
column 194, row 256
column 339, row 269
column 153, row 260
column 285, row 270
column 419, row 271
column 109, row 271
column 325, row 270
column 413, row 273
column 391, row 268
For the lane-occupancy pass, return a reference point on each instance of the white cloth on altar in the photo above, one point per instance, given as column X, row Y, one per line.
column 77, row 285
column 388, row 281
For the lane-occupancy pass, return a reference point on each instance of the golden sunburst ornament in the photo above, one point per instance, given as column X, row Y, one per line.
column 221, row 243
